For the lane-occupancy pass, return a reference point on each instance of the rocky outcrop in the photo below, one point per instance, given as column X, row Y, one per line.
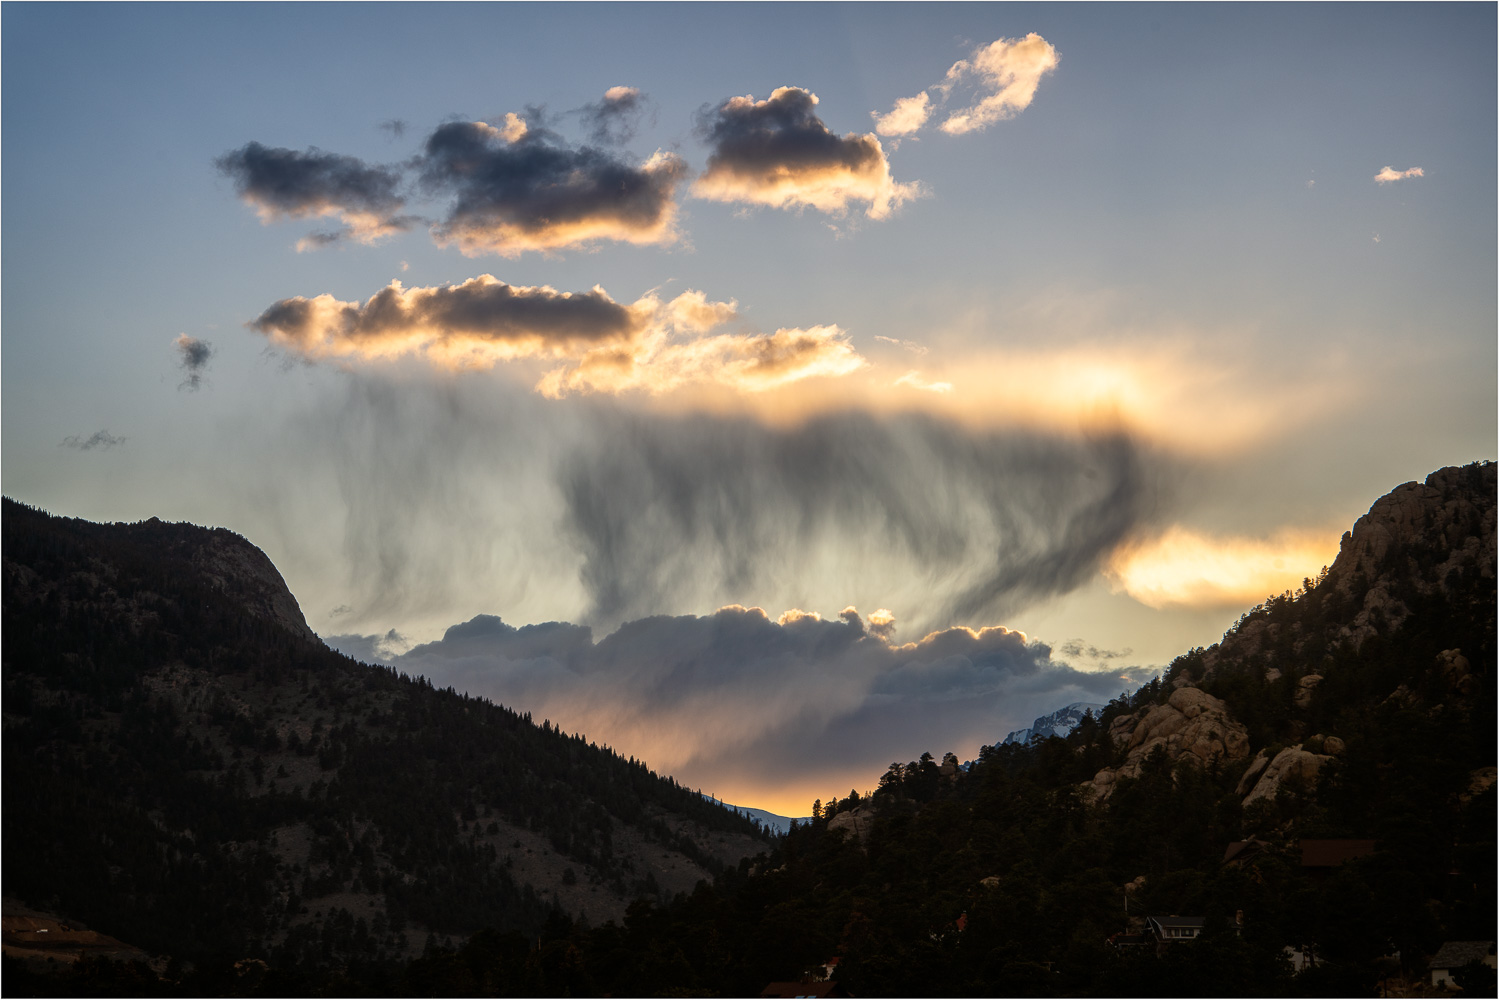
column 1192, row 726
column 229, row 562
column 1448, row 522
column 1294, row 765
column 858, row 821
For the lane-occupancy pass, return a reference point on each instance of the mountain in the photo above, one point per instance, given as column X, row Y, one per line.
column 1058, row 723
column 769, row 820
column 1321, row 782
column 175, row 736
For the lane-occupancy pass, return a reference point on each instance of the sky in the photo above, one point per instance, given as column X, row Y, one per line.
column 768, row 392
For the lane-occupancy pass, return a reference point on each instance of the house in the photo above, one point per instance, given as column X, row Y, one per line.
column 1172, row 929
column 1240, row 851
column 1454, row 955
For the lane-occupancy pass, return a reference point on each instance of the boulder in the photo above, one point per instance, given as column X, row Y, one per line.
column 1256, row 768
column 1192, row 726
column 1305, row 688
column 858, row 821
column 1291, row 764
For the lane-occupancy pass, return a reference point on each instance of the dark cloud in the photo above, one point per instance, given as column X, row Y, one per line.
column 448, row 494
column 518, row 187
column 996, row 521
column 777, row 152
column 99, row 439
column 1079, row 648
column 738, row 693
column 612, row 120
column 395, row 126
column 478, row 319
column 193, row 356
column 285, row 183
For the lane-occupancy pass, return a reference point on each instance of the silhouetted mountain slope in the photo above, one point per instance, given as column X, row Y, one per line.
column 188, row 768
column 1212, row 791
column 1322, row 780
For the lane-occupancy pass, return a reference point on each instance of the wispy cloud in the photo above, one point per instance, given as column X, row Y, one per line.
column 914, row 380
column 612, row 120
column 1389, row 175
column 996, row 82
column 983, row 523
column 100, row 439
column 778, row 153
column 193, row 356
column 909, row 345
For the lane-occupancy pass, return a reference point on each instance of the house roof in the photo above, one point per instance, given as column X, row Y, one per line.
column 1243, row 849
column 1331, row 853
column 1175, row 921
column 1455, row 954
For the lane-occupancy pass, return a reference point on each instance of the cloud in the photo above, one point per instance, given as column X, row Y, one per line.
column 286, row 184
column 996, row 82
column 1389, row 175
column 477, row 323
column 519, row 187
column 908, row 115
column 1079, row 648
column 395, row 126
column 778, row 153
column 746, row 363
column 193, row 356
column 909, row 345
column 612, row 120
column 1185, row 568
column 737, row 700
column 973, row 524
column 99, row 439
column 648, row 345
column 915, row 381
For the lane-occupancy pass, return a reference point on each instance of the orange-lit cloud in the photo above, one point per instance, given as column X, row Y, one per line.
column 998, row 81
column 1388, row 175
column 1187, row 568
column 1006, row 74
column 475, row 324
column 908, row 115
column 744, row 362
column 915, row 381
column 611, row 347
column 778, row 153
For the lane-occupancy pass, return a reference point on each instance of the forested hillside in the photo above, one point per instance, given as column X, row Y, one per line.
column 188, row 769
column 1359, row 709
column 1314, row 795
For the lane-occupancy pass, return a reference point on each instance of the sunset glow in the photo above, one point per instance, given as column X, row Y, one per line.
column 596, row 359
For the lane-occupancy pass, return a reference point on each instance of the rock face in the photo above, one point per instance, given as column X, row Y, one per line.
column 1192, row 726
column 1292, row 764
column 1448, row 520
column 230, row 562
column 857, row 821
